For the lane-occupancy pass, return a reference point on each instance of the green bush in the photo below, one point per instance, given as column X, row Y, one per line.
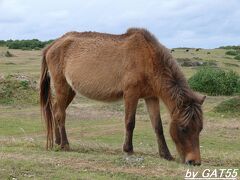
column 232, row 53
column 237, row 57
column 8, row 54
column 17, row 92
column 229, row 106
column 215, row 82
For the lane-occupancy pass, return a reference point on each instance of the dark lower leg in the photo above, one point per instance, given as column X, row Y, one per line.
column 64, row 139
column 64, row 96
column 60, row 131
column 63, row 134
column 56, row 128
column 57, row 135
column 154, row 113
column 162, row 145
column 127, row 146
column 131, row 101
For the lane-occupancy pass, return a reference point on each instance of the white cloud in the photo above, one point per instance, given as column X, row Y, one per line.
column 175, row 22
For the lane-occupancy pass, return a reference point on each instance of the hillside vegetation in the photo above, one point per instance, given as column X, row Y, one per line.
column 33, row 44
column 215, row 82
column 96, row 130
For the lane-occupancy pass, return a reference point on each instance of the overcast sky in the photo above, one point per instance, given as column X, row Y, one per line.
column 176, row 23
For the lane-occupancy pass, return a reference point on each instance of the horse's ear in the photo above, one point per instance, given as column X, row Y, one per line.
column 202, row 99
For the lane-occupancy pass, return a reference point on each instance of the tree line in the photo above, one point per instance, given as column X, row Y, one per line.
column 33, row 44
column 230, row 47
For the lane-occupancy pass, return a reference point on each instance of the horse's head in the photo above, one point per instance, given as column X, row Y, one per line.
column 186, row 125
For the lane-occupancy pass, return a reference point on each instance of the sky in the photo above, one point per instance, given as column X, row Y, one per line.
column 176, row 23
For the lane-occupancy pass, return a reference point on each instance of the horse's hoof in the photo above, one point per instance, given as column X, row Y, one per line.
column 129, row 153
column 168, row 157
column 65, row 147
column 57, row 142
column 128, row 149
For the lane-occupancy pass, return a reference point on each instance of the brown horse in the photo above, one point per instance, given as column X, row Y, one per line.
column 109, row 67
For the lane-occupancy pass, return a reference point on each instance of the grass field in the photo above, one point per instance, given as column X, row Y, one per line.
column 96, row 132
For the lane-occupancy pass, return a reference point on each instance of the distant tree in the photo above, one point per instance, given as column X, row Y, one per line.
column 26, row 44
column 2, row 43
column 230, row 47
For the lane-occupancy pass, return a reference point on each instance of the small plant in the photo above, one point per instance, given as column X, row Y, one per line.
column 17, row 92
column 24, row 84
column 237, row 57
column 215, row 82
column 8, row 54
column 232, row 53
column 229, row 106
column 232, row 65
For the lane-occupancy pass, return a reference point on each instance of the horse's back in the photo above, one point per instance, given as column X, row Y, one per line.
column 99, row 65
column 95, row 69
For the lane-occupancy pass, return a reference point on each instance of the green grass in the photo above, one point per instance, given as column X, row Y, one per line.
column 230, row 106
column 96, row 132
column 96, row 148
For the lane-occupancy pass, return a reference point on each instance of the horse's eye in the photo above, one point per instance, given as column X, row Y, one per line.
column 183, row 129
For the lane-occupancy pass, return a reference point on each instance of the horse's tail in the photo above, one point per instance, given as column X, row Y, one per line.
column 46, row 101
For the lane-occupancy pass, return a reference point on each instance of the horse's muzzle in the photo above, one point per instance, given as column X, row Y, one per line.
column 193, row 163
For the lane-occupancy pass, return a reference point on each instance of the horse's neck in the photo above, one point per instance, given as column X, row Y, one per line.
column 172, row 96
column 171, row 104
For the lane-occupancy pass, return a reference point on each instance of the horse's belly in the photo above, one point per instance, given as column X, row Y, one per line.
column 95, row 85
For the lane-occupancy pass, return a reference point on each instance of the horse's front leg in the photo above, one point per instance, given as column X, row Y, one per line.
column 154, row 113
column 131, row 102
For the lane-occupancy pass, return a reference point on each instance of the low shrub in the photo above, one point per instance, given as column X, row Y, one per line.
column 215, row 81
column 8, row 54
column 16, row 91
column 229, row 106
column 232, row 53
column 237, row 57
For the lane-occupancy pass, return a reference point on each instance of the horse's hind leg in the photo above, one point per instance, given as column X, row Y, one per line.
column 57, row 134
column 64, row 96
column 154, row 112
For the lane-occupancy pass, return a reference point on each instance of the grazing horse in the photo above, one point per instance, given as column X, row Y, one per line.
column 109, row 67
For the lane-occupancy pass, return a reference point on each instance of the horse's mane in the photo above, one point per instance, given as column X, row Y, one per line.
column 190, row 112
column 173, row 82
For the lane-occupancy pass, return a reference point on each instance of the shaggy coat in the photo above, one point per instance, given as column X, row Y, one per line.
column 109, row 67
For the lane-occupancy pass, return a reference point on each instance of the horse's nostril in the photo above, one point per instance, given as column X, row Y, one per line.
column 190, row 162
column 197, row 164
